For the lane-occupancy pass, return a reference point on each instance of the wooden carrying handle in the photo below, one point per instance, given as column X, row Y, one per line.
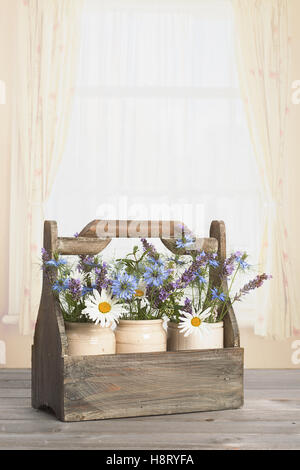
column 91, row 240
column 134, row 229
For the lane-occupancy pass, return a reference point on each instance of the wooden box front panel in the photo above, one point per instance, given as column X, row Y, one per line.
column 115, row 386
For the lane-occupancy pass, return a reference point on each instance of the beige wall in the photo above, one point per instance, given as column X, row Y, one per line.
column 258, row 351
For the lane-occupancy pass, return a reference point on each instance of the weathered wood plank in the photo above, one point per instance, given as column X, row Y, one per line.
column 254, row 378
column 81, row 245
column 273, row 394
column 15, row 392
column 13, row 374
column 147, row 427
column 133, row 229
column 14, row 370
column 287, row 404
column 273, row 379
column 13, row 384
column 231, row 328
column 22, row 413
column 270, row 419
column 180, row 441
column 120, row 386
column 50, row 341
column 15, row 402
column 206, row 244
column 247, row 414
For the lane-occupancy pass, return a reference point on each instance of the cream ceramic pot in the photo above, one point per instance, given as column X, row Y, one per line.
column 85, row 339
column 134, row 336
column 177, row 341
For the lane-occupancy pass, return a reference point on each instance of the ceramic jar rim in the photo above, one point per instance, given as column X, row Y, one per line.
column 78, row 324
column 141, row 322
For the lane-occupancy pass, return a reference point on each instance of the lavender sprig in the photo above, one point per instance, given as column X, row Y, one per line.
column 102, row 281
column 188, row 306
column 75, row 288
column 251, row 285
column 190, row 273
column 228, row 266
column 45, row 255
column 87, row 263
column 150, row 249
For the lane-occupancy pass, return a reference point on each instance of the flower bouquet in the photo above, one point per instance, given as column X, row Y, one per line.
column 125, row 306
column 199, row 325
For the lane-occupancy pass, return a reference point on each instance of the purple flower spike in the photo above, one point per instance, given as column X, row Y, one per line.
column 75, row 288
column 87, row 263
column 228, row 266
column 102, row 282
column 45, row 255
column 190, row 273
column 166, row 291
column 188, row 306
column 251, row 285
column 149, row 248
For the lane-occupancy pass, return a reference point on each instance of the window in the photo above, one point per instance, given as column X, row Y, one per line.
column 158, row 128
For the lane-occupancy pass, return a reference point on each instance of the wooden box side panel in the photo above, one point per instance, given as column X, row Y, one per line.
column 231, row 329
column 99, row 387
column 50, row 343
column 47, row 361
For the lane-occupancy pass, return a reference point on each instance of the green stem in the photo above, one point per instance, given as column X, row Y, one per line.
column 228, row 294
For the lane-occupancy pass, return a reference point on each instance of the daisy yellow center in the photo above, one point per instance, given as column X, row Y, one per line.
column 139, row 293
column 104, row 307
column 196, row 321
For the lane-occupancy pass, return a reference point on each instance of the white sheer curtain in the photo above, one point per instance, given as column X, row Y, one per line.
column 158, row 129
column 47, row 49
column 263, row 50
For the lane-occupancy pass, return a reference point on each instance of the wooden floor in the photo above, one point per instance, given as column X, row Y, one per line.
column 270, row 419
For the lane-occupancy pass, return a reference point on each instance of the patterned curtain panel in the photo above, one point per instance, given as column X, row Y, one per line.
column 263, row 49
column 46, row 54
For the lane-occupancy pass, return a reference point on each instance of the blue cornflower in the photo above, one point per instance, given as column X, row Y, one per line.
column 60, row 285
column 186, row 240
column 124, row 286
column 155, row 275
column 86, row 290
column 243, row 264
column 201, row 278
column 216, row 295
column 156, row 262
column 201, row 255
column 53, row 262
column 213, row 262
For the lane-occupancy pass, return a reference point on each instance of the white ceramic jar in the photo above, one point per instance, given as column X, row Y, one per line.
column 134, row 336
column 212, row 340
column 85, row 339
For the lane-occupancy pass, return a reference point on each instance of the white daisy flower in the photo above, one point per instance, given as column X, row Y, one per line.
column 140, row 291
column 103, row 309
column 195, row 323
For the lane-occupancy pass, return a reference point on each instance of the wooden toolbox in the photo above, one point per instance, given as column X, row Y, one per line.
column 79, row 388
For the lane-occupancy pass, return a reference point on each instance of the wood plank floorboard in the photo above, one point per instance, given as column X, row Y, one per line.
column 269, row 419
